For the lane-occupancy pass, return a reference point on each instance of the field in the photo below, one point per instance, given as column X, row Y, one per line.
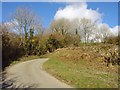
column 83, row 67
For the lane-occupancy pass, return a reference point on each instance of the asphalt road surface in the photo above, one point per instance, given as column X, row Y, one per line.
column 29, row 74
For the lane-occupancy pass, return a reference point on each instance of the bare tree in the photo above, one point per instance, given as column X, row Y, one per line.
column 61, row 26
column 25, row 20
column 27, row 23
column 87, row 27
column 105, row 32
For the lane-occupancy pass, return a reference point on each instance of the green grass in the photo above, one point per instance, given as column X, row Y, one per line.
column 80, row 76
column 45, row 55
column 81, row 73
column 24, row 58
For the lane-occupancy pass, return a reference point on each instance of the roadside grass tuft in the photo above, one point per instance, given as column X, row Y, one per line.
column 24, row 58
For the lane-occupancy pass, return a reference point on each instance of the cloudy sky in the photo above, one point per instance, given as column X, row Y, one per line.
column 106, row 13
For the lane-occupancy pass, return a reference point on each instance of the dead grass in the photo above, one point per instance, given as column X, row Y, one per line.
column 83, row 67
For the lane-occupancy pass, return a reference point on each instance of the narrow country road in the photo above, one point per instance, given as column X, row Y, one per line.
column 29, row 74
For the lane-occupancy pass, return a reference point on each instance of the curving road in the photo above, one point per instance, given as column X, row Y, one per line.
column 30, row 74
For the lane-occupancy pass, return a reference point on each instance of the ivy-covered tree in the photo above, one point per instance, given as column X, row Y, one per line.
column 27, row 22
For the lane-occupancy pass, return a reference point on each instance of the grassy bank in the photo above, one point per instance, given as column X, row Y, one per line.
column 82, row 67
column 24, row 58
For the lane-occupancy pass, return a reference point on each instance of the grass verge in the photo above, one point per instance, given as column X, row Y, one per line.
column 31, row 57
column 24, row 58
column 68, row 66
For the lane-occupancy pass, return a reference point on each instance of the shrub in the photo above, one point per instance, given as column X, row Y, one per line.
column 112, row 40
column 11, row 49
column 112, row 57
column 68, row 40
column 54, row 41
column 41, row 48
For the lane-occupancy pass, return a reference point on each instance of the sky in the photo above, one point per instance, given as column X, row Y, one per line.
column 47, row 10
column 106, row 13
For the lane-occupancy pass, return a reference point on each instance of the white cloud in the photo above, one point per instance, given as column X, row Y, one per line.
column 78, row 11
column 11, row 25
column 114, row 30
column 103, row 25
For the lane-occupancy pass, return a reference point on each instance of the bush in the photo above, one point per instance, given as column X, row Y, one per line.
column 54, row 41
column 68, row 40
column 112, row 58
column 41, row 48
column 11, row 49
column 57, row 40
column 112, row 40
